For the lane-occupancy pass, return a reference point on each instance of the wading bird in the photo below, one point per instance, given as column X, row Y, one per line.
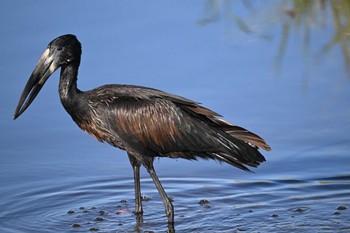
column 145, row 122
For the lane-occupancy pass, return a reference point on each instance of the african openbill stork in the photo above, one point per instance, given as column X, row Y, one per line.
column 145, row 122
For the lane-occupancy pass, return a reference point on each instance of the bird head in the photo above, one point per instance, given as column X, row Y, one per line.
column 61, row 52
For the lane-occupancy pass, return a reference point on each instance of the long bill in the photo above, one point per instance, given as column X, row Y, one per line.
column 44, row 68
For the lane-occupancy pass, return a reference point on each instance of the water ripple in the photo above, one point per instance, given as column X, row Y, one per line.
column 106, row 204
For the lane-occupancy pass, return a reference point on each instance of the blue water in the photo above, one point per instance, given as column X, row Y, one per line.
column 56, row 178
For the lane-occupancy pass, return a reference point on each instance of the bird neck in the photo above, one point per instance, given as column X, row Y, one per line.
column 68, row 86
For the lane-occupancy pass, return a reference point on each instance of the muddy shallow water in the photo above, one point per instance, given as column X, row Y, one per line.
column 201, row 205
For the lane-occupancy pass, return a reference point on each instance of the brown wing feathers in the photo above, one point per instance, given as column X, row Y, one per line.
column 160, row 123
column 234, row 131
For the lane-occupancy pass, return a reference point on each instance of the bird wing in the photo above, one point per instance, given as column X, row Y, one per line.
column 158, row 125
column 151, row 122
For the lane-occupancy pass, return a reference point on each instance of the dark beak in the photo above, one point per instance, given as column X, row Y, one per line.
column 45, row 67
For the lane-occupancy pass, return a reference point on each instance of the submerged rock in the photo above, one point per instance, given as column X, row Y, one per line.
column 342, row 207
column 203, row 202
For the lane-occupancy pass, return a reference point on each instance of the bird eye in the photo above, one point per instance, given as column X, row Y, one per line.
column 59, row 48
column 67, row 61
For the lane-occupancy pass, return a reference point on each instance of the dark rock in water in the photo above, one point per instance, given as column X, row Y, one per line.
column 123, row 201
column 98, row 219
column 102, row 212
column 75, row 225
column 203, row 202
column 274, row 215
column 70, row 212
column 119, row 212
column 300, row 210
column 145, row 198
column 93, row 229
column 342, row 207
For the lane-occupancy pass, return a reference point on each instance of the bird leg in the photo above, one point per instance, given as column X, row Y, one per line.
column 136, row 168
column 169, row 209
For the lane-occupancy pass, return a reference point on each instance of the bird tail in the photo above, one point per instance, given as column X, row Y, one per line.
column 233, row 130
column 242, row 134
column 238, row 153
column 241, row 146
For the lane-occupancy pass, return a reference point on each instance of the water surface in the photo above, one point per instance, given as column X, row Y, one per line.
column 56, row 178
